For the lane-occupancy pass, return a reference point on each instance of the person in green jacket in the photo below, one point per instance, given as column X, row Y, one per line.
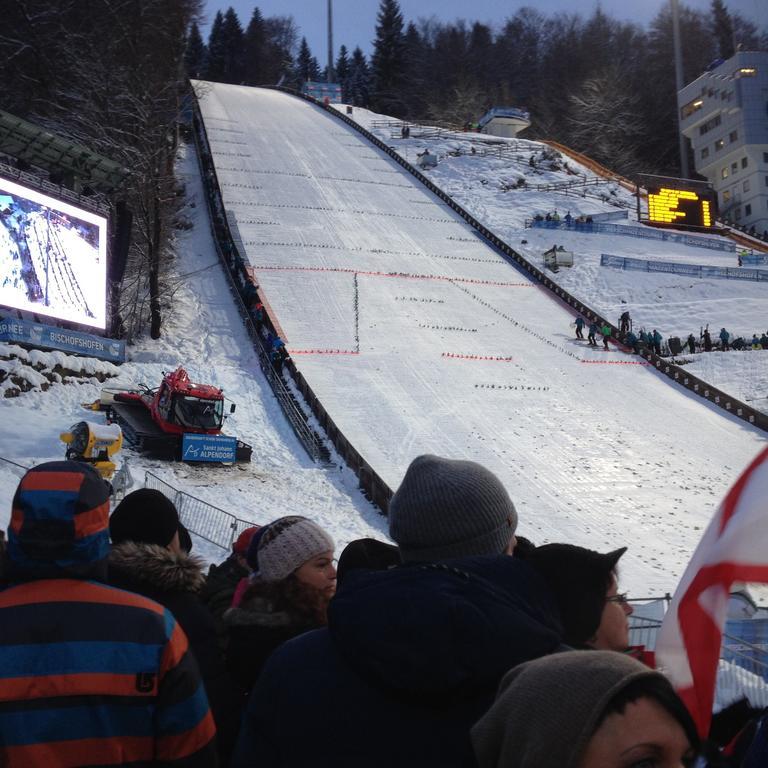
column 606, row 331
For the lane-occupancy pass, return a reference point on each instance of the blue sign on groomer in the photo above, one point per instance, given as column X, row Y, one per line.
column 208, row 448
column 51, row 337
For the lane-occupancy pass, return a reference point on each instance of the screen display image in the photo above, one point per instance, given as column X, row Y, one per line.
column 53, row 257
column 667, row 205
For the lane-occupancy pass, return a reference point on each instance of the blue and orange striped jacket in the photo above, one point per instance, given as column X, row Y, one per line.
column 92, row 675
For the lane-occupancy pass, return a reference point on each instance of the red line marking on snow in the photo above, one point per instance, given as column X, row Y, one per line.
column 403, row 275
column 323, row 352
column 613, row 362
column 477, row 357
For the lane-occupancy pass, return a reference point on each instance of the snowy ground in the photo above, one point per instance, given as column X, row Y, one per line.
column 419, row 338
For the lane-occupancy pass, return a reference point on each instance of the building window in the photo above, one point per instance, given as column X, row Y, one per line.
column 745, row 186
column 733, row 136
column 734, row 167
column 726, row 195
column 709, row 125
column 719, row 145
column 705, row 152
column 737, row 212
column 724, row 173
column 766, row 181
column 765, row 157
column 743, row 162
column 747, row 210
column 691, row 107
column 748, row 72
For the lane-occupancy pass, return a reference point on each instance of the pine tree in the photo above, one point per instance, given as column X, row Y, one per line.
column 195, row 53
column 388, row 61
column 254, row 49
column 722, row 29
column 216, row 51
column 307, row 67
column 359, row 79
column 232, row 42
column 342, row 64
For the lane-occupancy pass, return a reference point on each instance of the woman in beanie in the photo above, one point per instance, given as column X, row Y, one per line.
column 585, row 586
column 585, row 710
column 293, row 581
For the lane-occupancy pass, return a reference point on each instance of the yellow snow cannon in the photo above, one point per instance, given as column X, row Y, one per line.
column 94, row 444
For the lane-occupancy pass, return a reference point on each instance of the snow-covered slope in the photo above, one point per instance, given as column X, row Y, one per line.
column 419, row 338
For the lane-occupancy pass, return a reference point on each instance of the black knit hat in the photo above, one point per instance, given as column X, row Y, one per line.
column 146, row 516
column 448, row 508
column 366, row 555
column 579, row 579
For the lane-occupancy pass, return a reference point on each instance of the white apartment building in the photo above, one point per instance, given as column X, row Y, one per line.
column 724, row 114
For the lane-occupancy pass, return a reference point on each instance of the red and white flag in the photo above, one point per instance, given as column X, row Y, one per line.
column 733, row 548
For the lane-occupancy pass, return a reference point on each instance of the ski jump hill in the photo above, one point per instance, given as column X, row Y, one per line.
column 418, row 335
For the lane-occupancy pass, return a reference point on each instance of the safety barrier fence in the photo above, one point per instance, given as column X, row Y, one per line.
column 690, row 270
column 743, row 668
column 645, row 233
column 752, row 259
column 199, row 517
column 238, row 281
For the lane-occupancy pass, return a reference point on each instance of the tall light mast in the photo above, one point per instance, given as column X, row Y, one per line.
column 329, row 71
column 679, row 83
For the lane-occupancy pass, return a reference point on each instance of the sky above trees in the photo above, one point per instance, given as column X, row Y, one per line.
column 355, row 20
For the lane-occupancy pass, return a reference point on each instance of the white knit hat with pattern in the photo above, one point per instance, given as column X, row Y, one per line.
column 286, row 544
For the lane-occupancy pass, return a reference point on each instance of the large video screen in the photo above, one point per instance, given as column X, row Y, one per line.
column 53, row 256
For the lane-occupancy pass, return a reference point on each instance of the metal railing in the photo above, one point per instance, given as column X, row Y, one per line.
column 199, row 517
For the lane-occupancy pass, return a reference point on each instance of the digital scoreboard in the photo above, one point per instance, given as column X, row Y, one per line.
column 679, row 206
column 679, row 203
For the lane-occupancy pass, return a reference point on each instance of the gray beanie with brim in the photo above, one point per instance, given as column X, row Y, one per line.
column 449, row 508
column 547, row 710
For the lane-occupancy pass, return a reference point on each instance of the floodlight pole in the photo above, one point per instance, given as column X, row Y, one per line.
column 47, row 252
column 329, row 71
column 679, row 84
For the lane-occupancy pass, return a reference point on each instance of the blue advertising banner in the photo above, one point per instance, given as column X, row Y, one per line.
column 51, row 337
column 208, row 448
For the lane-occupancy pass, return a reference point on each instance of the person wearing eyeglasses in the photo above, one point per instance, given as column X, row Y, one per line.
column 586, row 588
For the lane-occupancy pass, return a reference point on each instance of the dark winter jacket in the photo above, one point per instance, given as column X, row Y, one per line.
column 174, row 580
column 410, row 660
column 220, row 585
column 255, row 630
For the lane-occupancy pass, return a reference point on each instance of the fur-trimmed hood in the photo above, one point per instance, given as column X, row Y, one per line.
column 257, row 611
column 154, row 567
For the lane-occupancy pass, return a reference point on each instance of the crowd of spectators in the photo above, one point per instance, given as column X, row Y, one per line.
column 458, row 645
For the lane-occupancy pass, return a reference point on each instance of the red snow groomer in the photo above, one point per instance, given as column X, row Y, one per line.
column 156, row 420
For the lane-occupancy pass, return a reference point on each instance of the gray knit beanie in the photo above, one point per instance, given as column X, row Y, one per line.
column 447, row 508
column 547, row 710
column 286, row 544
